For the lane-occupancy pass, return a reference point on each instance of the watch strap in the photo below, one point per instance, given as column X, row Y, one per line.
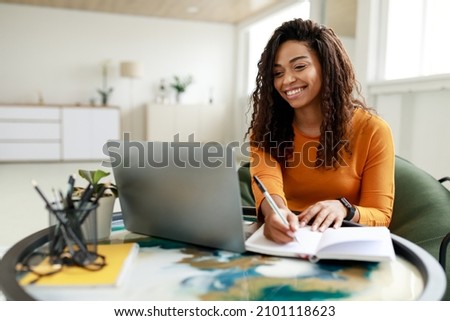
column 350, row 208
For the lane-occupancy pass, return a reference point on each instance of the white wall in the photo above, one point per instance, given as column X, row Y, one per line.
column 419, row 121
column 59, row 53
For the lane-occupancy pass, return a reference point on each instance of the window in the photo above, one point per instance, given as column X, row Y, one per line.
column 417, row 38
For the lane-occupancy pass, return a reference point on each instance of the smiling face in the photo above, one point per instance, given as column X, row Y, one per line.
column 298, row 75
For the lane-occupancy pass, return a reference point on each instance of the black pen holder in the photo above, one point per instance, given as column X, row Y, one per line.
column 74, row 232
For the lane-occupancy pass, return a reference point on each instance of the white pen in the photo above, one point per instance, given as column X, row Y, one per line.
column 272, row 203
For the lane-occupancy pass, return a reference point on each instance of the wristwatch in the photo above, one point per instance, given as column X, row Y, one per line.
column 350, row 208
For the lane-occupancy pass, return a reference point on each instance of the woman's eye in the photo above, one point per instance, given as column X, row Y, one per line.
column 277, row 74
column 299, row 67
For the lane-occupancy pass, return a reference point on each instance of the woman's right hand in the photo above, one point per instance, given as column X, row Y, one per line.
column 274, row 228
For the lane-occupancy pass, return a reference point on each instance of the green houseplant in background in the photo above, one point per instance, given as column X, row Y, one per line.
column 106, row 201
column 180, row 85
column 106, row 91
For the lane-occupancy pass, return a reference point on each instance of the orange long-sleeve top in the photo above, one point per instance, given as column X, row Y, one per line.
column 366, row 178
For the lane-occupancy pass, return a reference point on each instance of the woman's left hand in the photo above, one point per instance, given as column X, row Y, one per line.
column 323, row 214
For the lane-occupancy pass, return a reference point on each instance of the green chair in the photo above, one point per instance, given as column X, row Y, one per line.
column 247, row 197
column 421, row 209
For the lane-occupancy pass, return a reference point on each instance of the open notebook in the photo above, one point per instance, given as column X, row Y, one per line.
column 371, row 244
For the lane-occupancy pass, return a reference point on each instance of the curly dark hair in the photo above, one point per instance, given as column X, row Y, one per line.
column 272, row 117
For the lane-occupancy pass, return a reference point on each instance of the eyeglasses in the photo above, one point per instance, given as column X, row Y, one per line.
column 42, row 264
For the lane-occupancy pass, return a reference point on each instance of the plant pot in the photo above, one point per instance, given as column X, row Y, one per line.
column 178, row 97
column 103, row 215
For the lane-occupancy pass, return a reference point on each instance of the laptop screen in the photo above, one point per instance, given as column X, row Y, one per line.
column 184, row 191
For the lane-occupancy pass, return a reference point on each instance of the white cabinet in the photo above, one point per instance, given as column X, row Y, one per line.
column 30, row 133
column 205, row 122
column 55, row 133
column 85, row 131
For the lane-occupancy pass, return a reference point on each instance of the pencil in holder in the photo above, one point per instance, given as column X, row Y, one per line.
column 74, row 233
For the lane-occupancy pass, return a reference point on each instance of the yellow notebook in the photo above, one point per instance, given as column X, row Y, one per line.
column 118, row 260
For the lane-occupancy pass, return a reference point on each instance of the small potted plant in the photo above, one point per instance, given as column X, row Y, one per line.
column 180, row 85
column 106, row 91
column 94, row 178
column 109, row 193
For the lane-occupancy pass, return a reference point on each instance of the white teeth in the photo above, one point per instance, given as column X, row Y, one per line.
column 294, row 91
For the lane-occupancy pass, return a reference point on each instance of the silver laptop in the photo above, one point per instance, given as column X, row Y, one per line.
column 184, row 191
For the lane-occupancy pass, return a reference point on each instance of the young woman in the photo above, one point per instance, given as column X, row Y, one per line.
column 321, row 153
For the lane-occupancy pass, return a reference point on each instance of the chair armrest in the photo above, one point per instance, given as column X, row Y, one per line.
column 443, row 251
column 444, row 179
column 249, row 213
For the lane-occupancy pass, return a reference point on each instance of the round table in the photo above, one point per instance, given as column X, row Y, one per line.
column 168, row 270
